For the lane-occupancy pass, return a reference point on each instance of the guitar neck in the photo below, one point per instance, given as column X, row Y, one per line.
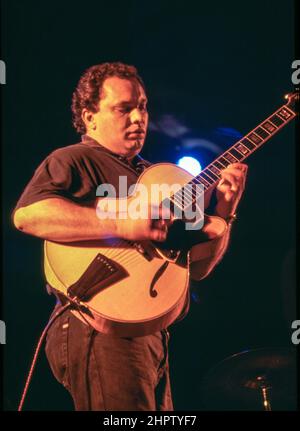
column 242, row 149
column 248, row 144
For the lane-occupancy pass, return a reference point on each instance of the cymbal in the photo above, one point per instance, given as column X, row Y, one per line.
column 260, row 379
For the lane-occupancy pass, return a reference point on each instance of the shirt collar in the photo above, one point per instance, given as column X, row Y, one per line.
column 88, row 140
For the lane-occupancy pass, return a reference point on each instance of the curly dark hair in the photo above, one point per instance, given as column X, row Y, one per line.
column 88, row 91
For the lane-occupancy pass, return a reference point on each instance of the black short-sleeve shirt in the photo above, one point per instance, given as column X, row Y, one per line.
column 74, row 172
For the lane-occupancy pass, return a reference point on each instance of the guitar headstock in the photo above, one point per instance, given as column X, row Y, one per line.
column 292, row 99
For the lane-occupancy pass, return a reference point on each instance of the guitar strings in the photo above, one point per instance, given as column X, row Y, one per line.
column 123, row 255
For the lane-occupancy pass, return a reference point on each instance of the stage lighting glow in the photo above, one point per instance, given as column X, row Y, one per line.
column 190, row 164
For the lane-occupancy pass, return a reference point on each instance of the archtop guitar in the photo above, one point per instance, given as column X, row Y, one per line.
column 131, row 289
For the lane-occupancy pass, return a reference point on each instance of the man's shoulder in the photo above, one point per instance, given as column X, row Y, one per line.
column 70, row 152
column 67, row 150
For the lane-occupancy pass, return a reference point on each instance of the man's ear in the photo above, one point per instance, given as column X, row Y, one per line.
column 88, row 119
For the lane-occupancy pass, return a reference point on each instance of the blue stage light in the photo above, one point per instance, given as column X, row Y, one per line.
column 190, row 164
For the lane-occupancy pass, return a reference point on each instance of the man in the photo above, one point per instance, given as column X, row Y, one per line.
column 104, row 372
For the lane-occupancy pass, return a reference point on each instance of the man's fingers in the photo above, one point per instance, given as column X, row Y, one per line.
column 226, row 190
column 239, row 170
column 165, row 213
column 158, row 235
column 160, row 224
column 160, row 213
column 240, row 166
column 239, row 173
column 231, row 179
column 235, row 175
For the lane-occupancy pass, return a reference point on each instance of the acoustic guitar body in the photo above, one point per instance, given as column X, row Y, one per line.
column 126, row 289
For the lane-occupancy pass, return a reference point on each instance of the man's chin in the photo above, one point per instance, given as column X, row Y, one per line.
column 134, row 145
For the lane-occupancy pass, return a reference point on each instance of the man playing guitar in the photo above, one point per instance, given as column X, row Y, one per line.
column 103, row 371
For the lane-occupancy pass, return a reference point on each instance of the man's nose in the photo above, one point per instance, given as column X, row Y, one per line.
column 136, row 116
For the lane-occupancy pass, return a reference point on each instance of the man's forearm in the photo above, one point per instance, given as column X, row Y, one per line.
column 205, row 257
column 221, row 252
column 225, row 244
column 61, row 220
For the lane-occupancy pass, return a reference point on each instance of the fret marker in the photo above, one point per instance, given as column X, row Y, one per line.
column 242, row 149
column 269, row 126
column 230, row 158
column 214, row 170
column 254, row 138
column 284, row 113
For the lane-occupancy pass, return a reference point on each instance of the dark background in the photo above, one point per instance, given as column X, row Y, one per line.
column 219, row 68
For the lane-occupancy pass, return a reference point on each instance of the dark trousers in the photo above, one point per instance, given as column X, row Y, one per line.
column 104, row 372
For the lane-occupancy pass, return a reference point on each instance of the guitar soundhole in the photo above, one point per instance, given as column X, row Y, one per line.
column 153, row 293
column 159, row 273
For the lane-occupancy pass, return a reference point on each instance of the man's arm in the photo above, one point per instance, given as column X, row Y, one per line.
column 206, row 256
column 61, row 220
column 58, row 219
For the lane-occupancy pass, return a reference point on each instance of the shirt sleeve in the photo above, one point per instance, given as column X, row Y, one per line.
column 57, row 177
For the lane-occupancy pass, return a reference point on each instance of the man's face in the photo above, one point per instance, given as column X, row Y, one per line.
column 122, row 120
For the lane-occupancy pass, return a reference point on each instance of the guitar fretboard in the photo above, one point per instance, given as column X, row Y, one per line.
column 237, row 153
